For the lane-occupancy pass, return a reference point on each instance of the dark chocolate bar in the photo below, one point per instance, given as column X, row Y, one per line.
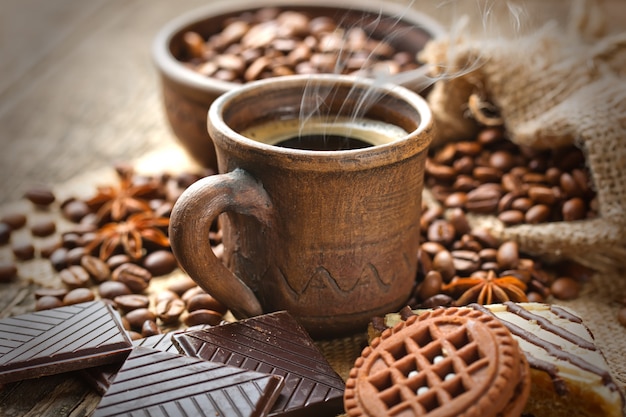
column 60, row 340
column 274, row 343
column 101, row 377
column 152, row 382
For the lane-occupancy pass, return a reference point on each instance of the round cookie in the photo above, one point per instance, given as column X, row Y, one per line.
column 445, row 362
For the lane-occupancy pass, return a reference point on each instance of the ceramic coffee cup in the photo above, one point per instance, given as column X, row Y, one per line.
column 318, row 198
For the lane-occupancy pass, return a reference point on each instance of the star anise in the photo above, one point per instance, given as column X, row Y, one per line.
column 486, row 290
column 115, row 203
column 130, row 235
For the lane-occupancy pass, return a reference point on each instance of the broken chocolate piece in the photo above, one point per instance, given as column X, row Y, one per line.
column 100, row 378
column 152, row 382
column 274, row 343
column 60, row 340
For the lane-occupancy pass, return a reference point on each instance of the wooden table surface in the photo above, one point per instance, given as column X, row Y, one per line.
column 78, row 93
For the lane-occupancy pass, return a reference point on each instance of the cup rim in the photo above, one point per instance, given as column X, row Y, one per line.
column 355, row 159
column 173, row 68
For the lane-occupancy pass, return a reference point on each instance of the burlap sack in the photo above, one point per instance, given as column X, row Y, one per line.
column 554, row 87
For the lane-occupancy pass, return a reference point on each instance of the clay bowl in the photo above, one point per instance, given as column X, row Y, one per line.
column 187, row 94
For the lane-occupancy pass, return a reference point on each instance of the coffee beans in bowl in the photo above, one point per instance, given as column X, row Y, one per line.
column 212, row 50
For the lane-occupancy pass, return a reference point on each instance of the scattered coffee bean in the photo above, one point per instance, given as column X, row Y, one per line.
column 47, row 302
column 50, row 292
column 58, row 258
column 74, row 276
column 507, row 255
column 203, row 301
column 192, row 292
column 430, row 286
column 182, row 284
column 149, row 328
column 134, row 276
column 43, row 227
column 565, row 288
column 23, row 250
column 40, row 196
column 111, row 289
column 137, row 317
column 130, row 302
column 47, row 249
column 5, row 233
column 117, row 260
column 160, row 262
column 74, row 255
column 78, row 295
column 97, row 269
column 203, row 316
column 75, row 210
column 8, row 271
column 15, row 220
column 169, row 310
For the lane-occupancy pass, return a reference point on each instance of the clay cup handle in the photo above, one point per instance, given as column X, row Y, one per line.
column 190, row 222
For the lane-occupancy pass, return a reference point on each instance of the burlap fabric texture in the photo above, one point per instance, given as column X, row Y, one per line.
column 553, row 87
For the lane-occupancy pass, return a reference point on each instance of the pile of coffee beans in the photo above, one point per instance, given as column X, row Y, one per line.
column 492, row 175
column 272, row 42
column 121, row 279
column 450, row 250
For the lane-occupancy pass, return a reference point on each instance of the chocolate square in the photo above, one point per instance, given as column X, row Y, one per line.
column 60, row 340
column 152, row 382
column 274, row 343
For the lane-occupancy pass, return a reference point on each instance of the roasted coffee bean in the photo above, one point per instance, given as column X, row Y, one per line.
column 78, row 295
column 484, row 199
column 508, row 255
column 75, row 210
column 169, row 310
column 430, row 286
column 432, row 248
column 58, row 258
column 149, row 328
column 117, row 260
column 165, row 295
column 485, row 238
column 565, row 288
column 457, row 199
column 112, row 289
column 40, row 196
column 442, row 232
column 129, row 302
column 160, row 262
column 47, row 302
column 50, row 292
column 443, row 173
column 182, row 284
column 74, row 255
column 444, row 263
column 542, row 195
column 74, row 276
column 5, row 233
column 70, row 240
column 574, row 209
column 204, row 301
column 511, row 217
column 97, row 269
column 465, row 261
column 15, row 220
column 8, row 271
column 134, row 276
column 191, row 292
column 539, row 213
column 439, row 300
column 535, row 297
column 459, row 221
column 47, row 248
column 23, row 250
column 202, row 316
column 43, row 227
column 137, row 317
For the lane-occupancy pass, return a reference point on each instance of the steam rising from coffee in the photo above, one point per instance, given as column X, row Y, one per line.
column 313, row 107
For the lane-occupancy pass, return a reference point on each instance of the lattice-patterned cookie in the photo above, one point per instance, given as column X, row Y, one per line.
column 446, row 362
